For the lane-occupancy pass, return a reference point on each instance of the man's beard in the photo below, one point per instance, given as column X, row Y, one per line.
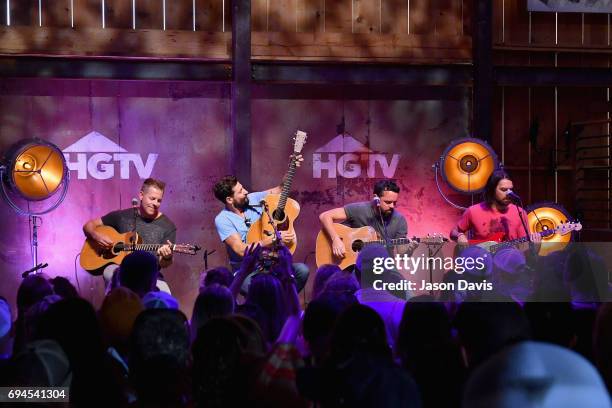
column 502, row 203
column 243, row 205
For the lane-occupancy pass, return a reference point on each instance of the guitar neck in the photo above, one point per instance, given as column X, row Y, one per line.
column 390, row 242
column 287, row 186
column 142, row 247
column 514, row 242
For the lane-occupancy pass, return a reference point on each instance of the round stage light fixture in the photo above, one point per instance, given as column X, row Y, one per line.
column 545, row 216
column 34, row 170
column 34, row 180
column 466, row 165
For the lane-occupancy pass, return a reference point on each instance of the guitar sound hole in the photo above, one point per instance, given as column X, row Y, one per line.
column 119, row 246
column 357, row 245
column 278, row 215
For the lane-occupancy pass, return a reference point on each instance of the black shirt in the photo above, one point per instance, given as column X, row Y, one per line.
column 156, row 231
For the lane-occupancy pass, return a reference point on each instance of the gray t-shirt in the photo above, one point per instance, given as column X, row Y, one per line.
column 364, row 214
column 156, row 231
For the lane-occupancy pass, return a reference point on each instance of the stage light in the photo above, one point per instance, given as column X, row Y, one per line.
column 466, row 164
column 34, row 180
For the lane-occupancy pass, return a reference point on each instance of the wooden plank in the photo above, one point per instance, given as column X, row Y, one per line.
column 569, row 29
column 179, row 15
column 366, row 16
column 259, row 15
column 88, row 13
column 516, row 22
column 422, row 13
column 115, row 42
column 349, row 47
column 448, row 17
column 338, row 18
column 309, row 16
column 57, row 13
column 498, row 21
column 467, row 10
column 596, row 29
column 543, row 28
column 118, row 13
column 394, row 17
column 24, row 13
column 282, row 15
column 149, row 14
column 209, row 15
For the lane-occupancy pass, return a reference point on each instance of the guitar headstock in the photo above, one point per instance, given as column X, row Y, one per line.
column 189, row 249
column 567, row 227
column 299, row 140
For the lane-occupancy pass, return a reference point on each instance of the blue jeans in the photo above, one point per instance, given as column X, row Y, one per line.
column 300, row 271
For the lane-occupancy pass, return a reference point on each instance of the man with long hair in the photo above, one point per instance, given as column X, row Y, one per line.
column 496, row 214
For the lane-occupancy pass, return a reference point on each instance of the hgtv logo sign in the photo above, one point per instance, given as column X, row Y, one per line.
column 96, row 156
column 346, row 157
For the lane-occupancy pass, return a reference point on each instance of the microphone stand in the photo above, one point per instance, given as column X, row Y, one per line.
column 384, row 226
column 532, row 248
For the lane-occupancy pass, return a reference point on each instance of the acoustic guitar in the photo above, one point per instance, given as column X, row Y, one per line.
column 94, row 258
column 495, row 241
column 284, row 210
column 355, row 239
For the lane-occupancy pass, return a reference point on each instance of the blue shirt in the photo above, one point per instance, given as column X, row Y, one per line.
column 228, row 223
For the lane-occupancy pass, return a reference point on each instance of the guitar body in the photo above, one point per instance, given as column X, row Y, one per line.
column 262, row 228
column 493, row 239
column 94, row 259
column 353, row 238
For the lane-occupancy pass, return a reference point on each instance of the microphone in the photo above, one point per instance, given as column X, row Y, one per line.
column 37, row 267
column 134, row 202
column 513, row 196
column 376, row 200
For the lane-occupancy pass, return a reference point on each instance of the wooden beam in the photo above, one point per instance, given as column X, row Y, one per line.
column 100, row 42
column 482, row 110
column 240, row 160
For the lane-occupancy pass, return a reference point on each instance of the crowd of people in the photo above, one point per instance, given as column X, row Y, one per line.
column 350, row 346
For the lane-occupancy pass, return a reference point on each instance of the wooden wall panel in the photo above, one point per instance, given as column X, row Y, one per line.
column 149, row 14
column 543, row 109
column 88, row 13
column 310, row 15
column 394, row 17
column 179, row 15
column 543, row 28
column 57, row 13
column 24, row 12
column 596, row 29
column 569, row 29
column 118, row 13
column 467, row 8
column 282, row 15
column 366, row 16
column 516, row 21
column 338, row 17
column 209, row 15
column 259, row 15
column 421, row 17
column 448, row 17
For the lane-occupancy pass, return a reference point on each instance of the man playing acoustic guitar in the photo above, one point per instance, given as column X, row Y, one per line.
column 152, row 225
column 496, row 215
column 392, row 224
column 241, row 210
